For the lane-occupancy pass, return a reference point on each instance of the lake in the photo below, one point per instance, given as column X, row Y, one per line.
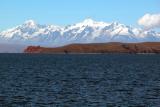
column 84, row 80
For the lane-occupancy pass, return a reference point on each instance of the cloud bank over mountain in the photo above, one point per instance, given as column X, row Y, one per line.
column 150, row 21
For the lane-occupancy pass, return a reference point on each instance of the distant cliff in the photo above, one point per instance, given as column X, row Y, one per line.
column 147, row 47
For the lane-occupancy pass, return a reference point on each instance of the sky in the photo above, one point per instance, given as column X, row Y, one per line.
column 64, row 12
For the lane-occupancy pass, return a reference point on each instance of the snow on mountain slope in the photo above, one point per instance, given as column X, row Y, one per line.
column 88, row 31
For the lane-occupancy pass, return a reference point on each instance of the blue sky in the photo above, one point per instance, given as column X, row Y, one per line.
column 63, row 12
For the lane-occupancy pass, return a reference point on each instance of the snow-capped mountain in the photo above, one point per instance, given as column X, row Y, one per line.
column 88, row 31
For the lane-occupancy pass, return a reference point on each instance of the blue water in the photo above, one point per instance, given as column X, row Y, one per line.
column 119, row 80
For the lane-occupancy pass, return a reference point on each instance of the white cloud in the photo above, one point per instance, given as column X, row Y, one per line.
column 150, row 21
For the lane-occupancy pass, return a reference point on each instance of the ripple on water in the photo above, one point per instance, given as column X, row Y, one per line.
column 119, row 80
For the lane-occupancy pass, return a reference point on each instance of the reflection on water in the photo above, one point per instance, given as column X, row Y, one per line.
column 79, row 80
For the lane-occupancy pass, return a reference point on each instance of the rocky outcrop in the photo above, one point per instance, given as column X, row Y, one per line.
column 147, row 47
column 33, row 49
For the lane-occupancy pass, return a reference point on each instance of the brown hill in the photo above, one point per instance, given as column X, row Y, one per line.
column 147, row 47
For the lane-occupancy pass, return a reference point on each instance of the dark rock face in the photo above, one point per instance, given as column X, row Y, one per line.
column 147, row 47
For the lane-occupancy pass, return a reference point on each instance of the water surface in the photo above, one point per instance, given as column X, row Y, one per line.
column 102, row 80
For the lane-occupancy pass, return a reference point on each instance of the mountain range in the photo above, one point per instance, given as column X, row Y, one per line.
column 87, row 31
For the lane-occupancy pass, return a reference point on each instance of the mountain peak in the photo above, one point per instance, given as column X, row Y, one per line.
column 30, row 23
column 88, row 20
column 93, row 23
column 117, row 24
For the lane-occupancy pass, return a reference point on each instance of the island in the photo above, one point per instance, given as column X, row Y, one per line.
column 112, row 47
